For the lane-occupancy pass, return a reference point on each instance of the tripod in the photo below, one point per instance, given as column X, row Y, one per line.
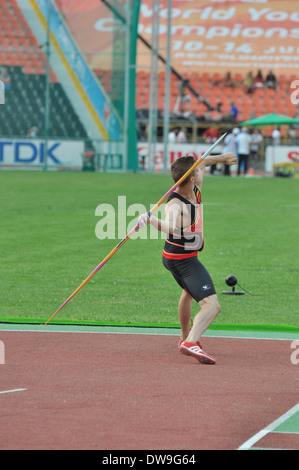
column 182, row 99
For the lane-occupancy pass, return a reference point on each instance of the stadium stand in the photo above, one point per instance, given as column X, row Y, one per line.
column 25, row 62
column 24, row 108
column 261, row 101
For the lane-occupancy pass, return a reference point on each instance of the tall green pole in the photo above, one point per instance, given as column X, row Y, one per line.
column 47, row 88
column 130, row 121
column 132, row 153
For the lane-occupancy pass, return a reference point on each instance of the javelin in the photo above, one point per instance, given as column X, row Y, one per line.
column 134, row 229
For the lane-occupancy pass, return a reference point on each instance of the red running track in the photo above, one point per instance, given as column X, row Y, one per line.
column 132, row 392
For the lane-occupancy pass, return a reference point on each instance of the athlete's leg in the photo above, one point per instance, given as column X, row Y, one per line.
column 210, row 308
column 185, row 312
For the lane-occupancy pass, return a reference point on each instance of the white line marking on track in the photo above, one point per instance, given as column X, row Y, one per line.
column 271, row 336
column 13, row 390
column 258, row 436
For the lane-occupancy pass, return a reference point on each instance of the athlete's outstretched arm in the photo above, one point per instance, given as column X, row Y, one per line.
column 227, row 158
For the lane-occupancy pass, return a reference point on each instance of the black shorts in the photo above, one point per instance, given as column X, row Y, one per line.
column 192, row 276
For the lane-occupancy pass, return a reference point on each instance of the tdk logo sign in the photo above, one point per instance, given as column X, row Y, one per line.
column 27, row 152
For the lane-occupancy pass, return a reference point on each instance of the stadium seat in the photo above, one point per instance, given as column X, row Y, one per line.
column 238, row 78
column 24, row 107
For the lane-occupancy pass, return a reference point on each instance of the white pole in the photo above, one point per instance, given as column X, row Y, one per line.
column 167, row 89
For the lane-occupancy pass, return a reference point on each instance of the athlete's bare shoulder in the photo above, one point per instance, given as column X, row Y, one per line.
column 174, row 203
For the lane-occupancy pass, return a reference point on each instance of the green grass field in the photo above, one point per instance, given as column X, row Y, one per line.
column 49, row 246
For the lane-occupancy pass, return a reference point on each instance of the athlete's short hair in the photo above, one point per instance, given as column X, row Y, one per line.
column 179, row 168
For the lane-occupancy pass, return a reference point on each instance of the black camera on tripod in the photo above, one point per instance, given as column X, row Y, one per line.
column 232, row 281
column 183, row 85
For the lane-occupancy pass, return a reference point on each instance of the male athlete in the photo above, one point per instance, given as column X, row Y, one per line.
column 184, row 226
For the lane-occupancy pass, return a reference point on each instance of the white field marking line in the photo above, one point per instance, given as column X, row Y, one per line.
column 285, row 432
column 13, row 390
column 220, row 203
column 258, row 436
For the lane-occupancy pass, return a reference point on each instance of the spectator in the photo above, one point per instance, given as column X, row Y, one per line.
column 5, row 78
column 233, row 113
column 256, row 140
column 141, row 130
column 248, row 83
column 243, row 141
column 271, row 80
column 276, row 136
column 230, row 141
column 172, row 137
column 228, row 80
column 32, row 132
column 230, row 146
column 211, row 134
column 292, row 134
column 181, row 137
column 259, row 81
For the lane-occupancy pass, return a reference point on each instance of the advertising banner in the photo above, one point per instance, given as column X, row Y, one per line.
column 222, row 35
column 18, row 153
column 174, row 151
column 206, row 36
column 279, row 154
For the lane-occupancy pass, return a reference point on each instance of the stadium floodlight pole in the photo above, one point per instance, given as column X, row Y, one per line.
column 134, row 229
column 47, row 92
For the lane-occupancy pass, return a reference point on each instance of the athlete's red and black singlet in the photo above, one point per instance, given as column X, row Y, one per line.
column 180, row 253
column 185, row 242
